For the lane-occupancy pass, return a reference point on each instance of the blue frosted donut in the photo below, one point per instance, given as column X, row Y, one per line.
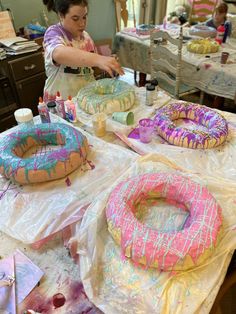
column 49, row 166
column 106, row 95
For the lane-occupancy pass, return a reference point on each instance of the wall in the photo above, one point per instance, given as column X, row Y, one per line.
column 101, row 22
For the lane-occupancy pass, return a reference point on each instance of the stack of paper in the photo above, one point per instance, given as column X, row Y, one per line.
column 18, row 45
column 2, row 54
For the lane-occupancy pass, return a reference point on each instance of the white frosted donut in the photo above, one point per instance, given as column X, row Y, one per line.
column 181, row 136
column 203, row 46
column 175, row 250
column 49, row 166
column 106, row 95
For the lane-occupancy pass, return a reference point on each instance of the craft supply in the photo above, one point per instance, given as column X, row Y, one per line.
column 24, row 116
column 220, row 34
column 224, row 57
column 150, row 94
column 99, row 124
column 60, row 106
column 123, row 117
column 52, row 107
column 70, row 110
column 146, row 127
column 154, row 82
column 43, row 111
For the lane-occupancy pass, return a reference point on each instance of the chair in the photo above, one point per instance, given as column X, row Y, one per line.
column 166, row 65
column 201, row 10
column 122, row 17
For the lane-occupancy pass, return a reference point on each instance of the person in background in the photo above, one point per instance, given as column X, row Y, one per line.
column 70, row 52
column 220, row 17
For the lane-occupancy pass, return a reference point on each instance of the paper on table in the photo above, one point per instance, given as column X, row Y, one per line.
column 8, row 292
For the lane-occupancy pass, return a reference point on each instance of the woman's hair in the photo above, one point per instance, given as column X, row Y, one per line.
column 222, row 8
column 62, row 6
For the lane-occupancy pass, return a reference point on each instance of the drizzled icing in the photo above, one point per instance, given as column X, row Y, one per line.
column 216, row 125
column 14, row 145
column 106, row 95
column 165, row 251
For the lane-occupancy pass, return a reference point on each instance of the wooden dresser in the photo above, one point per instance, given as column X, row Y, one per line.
column 22, row 80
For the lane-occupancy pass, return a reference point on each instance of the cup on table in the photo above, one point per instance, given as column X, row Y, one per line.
column 99, row 124
column 126, row 118
column 146, row 128
column 224, row 57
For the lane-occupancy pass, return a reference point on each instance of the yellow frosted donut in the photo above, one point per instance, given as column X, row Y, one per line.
column 203, row 46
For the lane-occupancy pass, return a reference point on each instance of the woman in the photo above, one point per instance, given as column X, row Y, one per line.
column 70, row 52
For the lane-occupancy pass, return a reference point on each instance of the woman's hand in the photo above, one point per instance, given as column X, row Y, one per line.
column 109, row 64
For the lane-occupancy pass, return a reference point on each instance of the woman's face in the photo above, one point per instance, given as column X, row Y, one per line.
column 75, row 20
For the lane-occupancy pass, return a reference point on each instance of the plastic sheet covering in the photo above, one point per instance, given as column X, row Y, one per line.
column 219, row 161
column 117, row 286
column 30, row 213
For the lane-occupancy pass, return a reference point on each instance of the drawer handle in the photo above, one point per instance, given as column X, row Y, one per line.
column 29, row 67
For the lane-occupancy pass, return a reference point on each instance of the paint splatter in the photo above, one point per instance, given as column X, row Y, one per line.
column 58, row 300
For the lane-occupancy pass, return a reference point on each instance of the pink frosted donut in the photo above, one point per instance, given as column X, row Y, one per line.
column 180, row 136
column 176, row 250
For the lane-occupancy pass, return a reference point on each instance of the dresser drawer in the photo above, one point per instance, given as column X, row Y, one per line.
column 27, row 66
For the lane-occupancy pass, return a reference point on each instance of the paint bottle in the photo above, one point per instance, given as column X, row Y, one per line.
column 24, row 116
column 43, row 111
column 154, row 82
column 70, row 110
column 60, row 106
column 220, row 33
column 150, row 94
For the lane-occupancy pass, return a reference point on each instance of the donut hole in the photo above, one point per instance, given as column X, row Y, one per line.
column 162, row 214
column 29, row 146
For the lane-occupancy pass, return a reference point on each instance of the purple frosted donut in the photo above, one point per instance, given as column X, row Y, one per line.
column 217, row 127
column 45, row 167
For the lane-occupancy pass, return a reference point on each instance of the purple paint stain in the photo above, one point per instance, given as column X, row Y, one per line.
column 68, row 182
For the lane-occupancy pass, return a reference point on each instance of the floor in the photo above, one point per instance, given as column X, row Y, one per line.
column 226, row 105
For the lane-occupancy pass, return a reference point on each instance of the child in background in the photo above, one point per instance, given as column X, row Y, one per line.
column 219, row 18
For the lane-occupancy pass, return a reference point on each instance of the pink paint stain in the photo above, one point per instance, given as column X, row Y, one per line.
column 207, row 66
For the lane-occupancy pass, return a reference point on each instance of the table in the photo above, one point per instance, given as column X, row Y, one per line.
column 62, row 276
column 203, row 72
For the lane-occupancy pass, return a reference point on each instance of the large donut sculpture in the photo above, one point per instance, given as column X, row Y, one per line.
column 43, row 167
column 106, row 95
column 176, row 250
column 180, row 136
column 203, row 46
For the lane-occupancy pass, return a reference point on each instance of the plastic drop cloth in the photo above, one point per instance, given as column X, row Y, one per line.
column 30, row 213
column 116, row 286
column 219, row 161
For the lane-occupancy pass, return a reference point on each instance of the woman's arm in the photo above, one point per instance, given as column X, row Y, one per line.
column 75, row 57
